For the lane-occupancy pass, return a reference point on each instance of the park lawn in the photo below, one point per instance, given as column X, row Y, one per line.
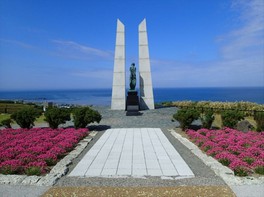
column 4, row 117
column 218, row 121
column 251, row 120
column 40, row 119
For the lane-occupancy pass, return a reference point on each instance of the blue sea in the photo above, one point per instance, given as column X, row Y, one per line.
column 103, row 96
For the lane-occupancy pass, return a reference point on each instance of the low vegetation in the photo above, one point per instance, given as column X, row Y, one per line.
column 26, row 117
column 207, row 118
column 230, row 118
column 259, row 118
column 241, row 152
column 10, row 107
column 34, row 151
column 56, row 116
column 85, row 115
column 248, row 107
column 186, row 117
column 225, row 114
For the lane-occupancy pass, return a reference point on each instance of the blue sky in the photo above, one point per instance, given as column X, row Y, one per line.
column 69, row 44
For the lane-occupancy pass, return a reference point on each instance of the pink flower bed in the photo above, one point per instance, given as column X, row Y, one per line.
column 241, row 152
column 32, row 151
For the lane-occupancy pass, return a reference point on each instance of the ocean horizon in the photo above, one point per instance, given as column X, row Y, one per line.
column 103, row 96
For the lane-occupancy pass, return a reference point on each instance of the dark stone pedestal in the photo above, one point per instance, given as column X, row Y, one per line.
column 132, row 103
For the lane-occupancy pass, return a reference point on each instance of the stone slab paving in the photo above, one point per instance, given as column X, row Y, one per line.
column 133, row 152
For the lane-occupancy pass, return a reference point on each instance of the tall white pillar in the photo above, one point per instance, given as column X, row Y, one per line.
column 118, row 88
column 146, row 90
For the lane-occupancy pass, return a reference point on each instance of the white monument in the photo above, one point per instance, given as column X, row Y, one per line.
column 145, row 80
column 119, row 86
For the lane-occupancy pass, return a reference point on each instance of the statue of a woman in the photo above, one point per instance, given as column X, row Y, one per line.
column 132, row 77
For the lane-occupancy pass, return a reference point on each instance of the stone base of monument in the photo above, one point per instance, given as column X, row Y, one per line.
column 132, row 103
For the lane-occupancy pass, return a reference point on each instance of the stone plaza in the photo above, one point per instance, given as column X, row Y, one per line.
column 132, row 152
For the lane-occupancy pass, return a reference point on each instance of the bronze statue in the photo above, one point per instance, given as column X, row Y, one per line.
column 132, row 76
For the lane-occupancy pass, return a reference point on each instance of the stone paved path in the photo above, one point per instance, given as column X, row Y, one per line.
column 134, row 152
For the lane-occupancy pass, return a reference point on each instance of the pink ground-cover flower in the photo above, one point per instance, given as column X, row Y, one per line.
column 26, row 157
column 207, row 145
column 258, row 163
column 42, row 145
column 235, row 149
column 238, row 163
column 11, row 166
column 47, row 156
column 37, row 164
column 6, row 155
column 225, row 155
column 214, row 151
column 13, row 162
column 255, row 151
column 245, row 155
column 240, row 151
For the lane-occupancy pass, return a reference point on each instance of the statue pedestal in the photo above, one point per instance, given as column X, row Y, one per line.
column 132, row 103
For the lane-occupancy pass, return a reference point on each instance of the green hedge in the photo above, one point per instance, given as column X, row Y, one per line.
column 186, row 117
column 85, row 115
column 56, row 116
column 26, row 116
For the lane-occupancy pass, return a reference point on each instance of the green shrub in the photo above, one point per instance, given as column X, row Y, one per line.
column 230, row 118
column 50, row 161
column 241, row 171
column 167, row 104
column 33, row 170
column 56, row 116
column 25, row 117
column 259, row 118
column 259, row 170
column 207, row 118
column 249, row 160
column 6, row 123
column 224, row 161
column 186, row 117
column 84, row 116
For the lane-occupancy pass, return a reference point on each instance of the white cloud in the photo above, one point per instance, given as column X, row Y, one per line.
column 241, row 61
column 18, row 43
column 71, row 49
column 249, row 38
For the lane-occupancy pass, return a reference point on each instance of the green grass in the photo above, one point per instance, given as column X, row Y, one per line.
column 4, row 117
column 40, row 119
column 218, row 121
column 251, row 120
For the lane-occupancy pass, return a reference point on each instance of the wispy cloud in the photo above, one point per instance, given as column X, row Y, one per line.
column 98, row 74
column 240, row 62
column 18, row 43
column 249, row 38
column 71, row 49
